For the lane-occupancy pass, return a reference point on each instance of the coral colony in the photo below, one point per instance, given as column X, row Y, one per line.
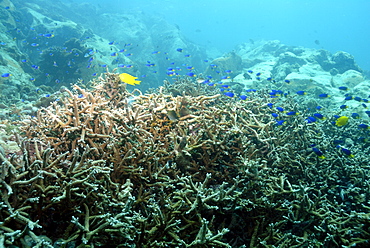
column 182, row 166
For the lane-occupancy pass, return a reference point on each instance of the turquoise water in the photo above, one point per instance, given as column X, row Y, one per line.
column 337, row 25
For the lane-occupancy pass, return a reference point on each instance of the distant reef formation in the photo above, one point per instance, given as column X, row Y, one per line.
column 48, row 44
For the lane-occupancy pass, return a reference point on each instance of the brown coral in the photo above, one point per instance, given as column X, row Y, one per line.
column 105, row 165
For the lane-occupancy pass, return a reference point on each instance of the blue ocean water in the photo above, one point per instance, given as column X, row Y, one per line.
column 331, row 25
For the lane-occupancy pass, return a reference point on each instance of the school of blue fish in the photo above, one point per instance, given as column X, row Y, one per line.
column 281, row 116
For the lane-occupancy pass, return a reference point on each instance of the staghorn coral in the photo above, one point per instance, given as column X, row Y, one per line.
column 106, row 166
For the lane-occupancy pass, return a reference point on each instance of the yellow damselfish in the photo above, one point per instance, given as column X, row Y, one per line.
column 341, row 121
column 128, row 79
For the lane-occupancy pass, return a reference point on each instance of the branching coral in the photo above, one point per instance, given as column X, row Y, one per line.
column 106, row 166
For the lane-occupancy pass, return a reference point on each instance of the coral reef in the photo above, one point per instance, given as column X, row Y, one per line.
column 176, row 168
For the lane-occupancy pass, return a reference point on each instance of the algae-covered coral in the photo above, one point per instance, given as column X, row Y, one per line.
column 107, row 167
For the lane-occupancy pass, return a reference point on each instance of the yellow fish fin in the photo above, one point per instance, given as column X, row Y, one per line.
column 128, row 79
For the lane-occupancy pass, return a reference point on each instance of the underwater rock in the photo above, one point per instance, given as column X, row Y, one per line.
column 230, row 61
column 345, row 61
column 351, row 78
column 305, row 68
column 291, row 59
column 336, row 63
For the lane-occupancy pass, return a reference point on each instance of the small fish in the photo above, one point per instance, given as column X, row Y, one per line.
column 319, row 116
column 318, row 152
column 225, row 77
column 311, row 119
column 348, row 98
column 357, row 98
column 364, row 126
column 343, row 88
column 270, row 105
column 229, row 94
column 172, row 115
column 191, row 74
column 128, row 79
column 250, row 71
column 347, row 152
column 187, row 55
column 275, row 93
column 179, row 50
column 280, row 122
column 318, row 107
column 243, row 97
column 156, row 52
column 301, row 92
column 111, row 43
column 114, row 54
column 34, row 44
column 280, row 109
column 6, row 75
column 258, row 74
column 24, row 60
column 228, row 71
column 341, row 121
column 338, row 142
column 355, row 116
column 324, row 95
column 50, row 35
column 287, row 81
column 363, row 139
column 292, row 113
column 275, row 115
column 343, row 106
